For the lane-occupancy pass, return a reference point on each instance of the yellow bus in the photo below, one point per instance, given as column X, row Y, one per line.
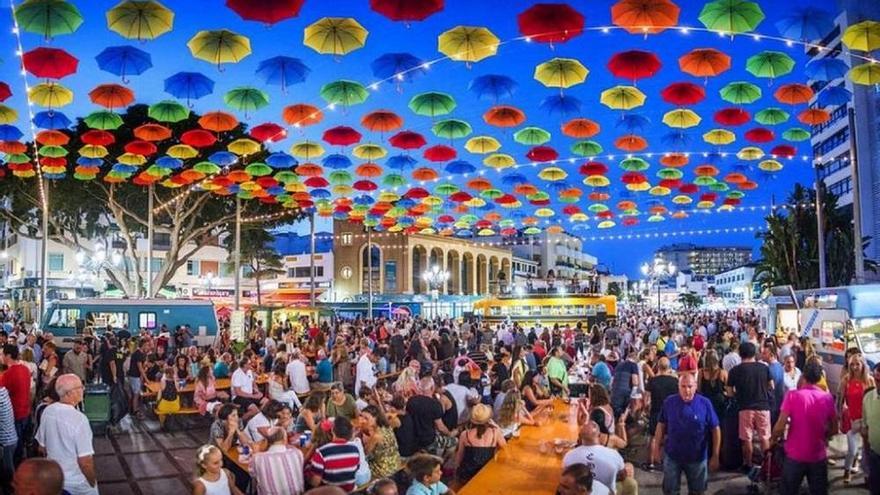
column 548, row 309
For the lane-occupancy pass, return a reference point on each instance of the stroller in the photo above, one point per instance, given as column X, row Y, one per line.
column 770, row 475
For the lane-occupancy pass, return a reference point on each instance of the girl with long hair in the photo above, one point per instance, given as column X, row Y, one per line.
column 211, row 477
column 854, row 381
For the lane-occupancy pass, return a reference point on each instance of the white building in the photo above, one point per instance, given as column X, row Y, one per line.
column 736, row 286
column 687, row 282
column 524, row 269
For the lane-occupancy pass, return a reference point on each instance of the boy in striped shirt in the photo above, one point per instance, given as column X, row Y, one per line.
column 336, row 463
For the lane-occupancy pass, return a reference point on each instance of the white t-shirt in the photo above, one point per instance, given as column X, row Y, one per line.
column 257, row 421
column 730, row 360
column 461, row 394
column 242, row 380
column 599, row 488
column 364, row 373
column 66, row 435
column 296, row 373
column 605, row 463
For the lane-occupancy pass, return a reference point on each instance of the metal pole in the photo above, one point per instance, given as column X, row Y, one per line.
column 237, row 254
column 820, row 227
column 44, row 253
column 312, row 261
column 370, row 274
column 658, row 294
column 857, row 200
column 149, row 241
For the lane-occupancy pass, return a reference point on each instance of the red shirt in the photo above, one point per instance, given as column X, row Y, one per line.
column 687, row 363
column 540, row 352
column 17, row 379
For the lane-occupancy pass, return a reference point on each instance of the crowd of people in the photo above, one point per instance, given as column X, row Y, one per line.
column 415, row 406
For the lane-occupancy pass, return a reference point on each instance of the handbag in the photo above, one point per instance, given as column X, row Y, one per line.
column 845, row 421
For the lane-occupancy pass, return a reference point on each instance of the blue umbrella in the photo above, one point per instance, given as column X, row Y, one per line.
column 223, row 158
column 826, row 69
column 54, row 176
column 364, row 200
column 405, row 221
column 400, row 66
column 400, row 161
column 233, row 188
column 633, row 123
column 340, row 216
column 124, row 61
column 282, row 71
column 10, row 133
column 463, row 233
column 189, row 85
column 676, row 139
column 514, row 179
column 89, row 162
column 460, row 167
column 281, row 160
column 319, row 193
column 561, row 106
column 834, row 96
column 124, row 169
column 51, row 119
column 336, row 161
column 406, row 203
column 559, row 186
column 493, row 87
column 276, row 190
column 806, row 24
column 517, row 215
column 169, row 162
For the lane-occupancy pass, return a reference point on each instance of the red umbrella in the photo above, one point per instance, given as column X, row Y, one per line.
column 630, row 221
column 97, row 138
column 440, row 153
column 571, row 209
column 266, row 182
column 507, row 199
column 53, row 63
column 460, row 197
column 5, row 92
column 760, row 135
column 269, row 131
column 633, row 178
column 152, row 132
column 550, row 22
column 417, row 193
column 268, row 11
column 732, row 116
column 634, row 64
column 542, row 154
column 540, row 202
column 593, row 168
column 683, row 93
column 605, row 215
column 381, row 121
column 407, row 10
column 316, row 182
column 140, row 147
column 708, row 196
column 198, row 138
column 670, row 183
column 51, row 161
column 341, row 136
column 688, row 188
column 784, row 150
column 407, row 140
column 446, row 219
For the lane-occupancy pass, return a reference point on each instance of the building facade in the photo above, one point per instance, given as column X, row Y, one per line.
column 704, row 260
column 736, row 286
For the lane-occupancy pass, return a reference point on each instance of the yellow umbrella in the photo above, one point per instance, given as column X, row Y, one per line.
column 249, row 186
column 50, row 95
column 7, row 115
column 93, row 151
column 597, row 181
column 139, row 19
column 606, row 224
column 468, row 43
column 432, row 201
column 864, row 36
column 219, row 47
column 681, row 118
column 335, row 35
column 639, row 186
column 424, row 221
column 750, row 153
column 719, row 137
column 770, row 166
column 544, row 212
column 482, row 144
column 341, row 189
column 513, row 205
column 552, row 174
column 395, row 228
column 579, row 217
column 499, row 161
column 622, row 98
column 368, row 151
column 182, row 152
column 561, row 73
column 867, row 74
column 243, row 146
column 475, row 202
column 659, row 191
column 705, row 205
column 295, row 187
column 682, row 199
column 307, row 150
column 131, row 159
column 388, row 196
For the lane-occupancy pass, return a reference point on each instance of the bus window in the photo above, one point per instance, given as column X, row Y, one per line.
column 147, row 320
column 832, row 333
column 64, row 317
column 102, row 319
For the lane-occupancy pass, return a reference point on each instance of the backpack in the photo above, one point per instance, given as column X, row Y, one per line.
column 169, row 393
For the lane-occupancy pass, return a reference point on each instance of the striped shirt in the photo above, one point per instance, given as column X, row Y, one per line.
column 337, row 463
column 278, row 471
column 8, row 437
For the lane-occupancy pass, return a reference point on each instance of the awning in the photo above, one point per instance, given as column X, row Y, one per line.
column 290, row 297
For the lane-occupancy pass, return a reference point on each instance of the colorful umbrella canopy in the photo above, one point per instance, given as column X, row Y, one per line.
column 246, row 99
column 771, row 116
column 48, row 18
column 124, row 61
column 282, row 71
column 793, row 94
column 346, row 93
column 731, row 16
column 219, row 47
column 580, row 128
column 740, row 93
column 622, row 98
column 493, row 87
column 645, row 16
column 863, row 36
column 189, row 85
column 335, row 35
column 634, row 64
column 504, row 116
column 805, row 24
column 381, row 121
column 302, row 115
column 561, row 73
column 683, row 93
column 140, row 19
column 826, row 69
column 407, row 10
column 550, row 23
column 50, row 95
column 398, row 66
column 704, row 62
column 265, row 11
column 867, row 74
column 432, row 104
column 769, row 64
column 468, row 43
column 49, row 63
column 111, row 96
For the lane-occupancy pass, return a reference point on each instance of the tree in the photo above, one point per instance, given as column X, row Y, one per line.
column 82, row 211
column 257, row 255
column 614, row 290
column 690, row 299
column 790, row 249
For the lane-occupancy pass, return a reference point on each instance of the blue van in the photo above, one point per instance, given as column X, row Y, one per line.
column 67, row 319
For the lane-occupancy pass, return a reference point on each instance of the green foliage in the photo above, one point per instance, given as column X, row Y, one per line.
column 258, row 255
column 690, row 299
column 614, row 290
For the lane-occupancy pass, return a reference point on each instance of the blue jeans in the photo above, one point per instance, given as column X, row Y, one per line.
column 21, row 426
column 794, row 472
column 696, row 473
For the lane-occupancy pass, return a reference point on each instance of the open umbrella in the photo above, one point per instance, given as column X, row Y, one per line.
column 740, row 93
column 407, row 10
column 561, row 105
column 561, row 73
column 826, row 69
column 864, row 36
column 683, row 93
column 218, row 121
column 468, row 43
column 769, row 64
column 50, row 95
column 49, row 63
column 504, row 116
column 246, row 99
column 482, row 145
column 771, row 116
column 398, row 66
column 451, row 129
column 381, row 121
column 493, row 87
column 432, row 104
column 103, row 120
column 302, row 115
column 634, row 64
column 633, row 123
column 140, row 19
column 341, row 136
column 793, row 94
column 265, row 11
column 531, row 136
column 335, row 35
column 732, row 116
column 168, row 111
column 645, row 16
column 805, row 24
column 219, row 47
column 622, row 98
column 345, row 93
column 124, row 61
column 867, row 74
column 834, row 95
column 111, row 96
column 704, row 62
column 580, row 128
column 550, row 22
column 731, row 16
column 48, row 17
column 189, row 85
column 407, row 140
column 282, row 71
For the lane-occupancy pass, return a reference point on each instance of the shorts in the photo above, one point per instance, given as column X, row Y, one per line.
column 134, row 384
column 757, row 422
column 244, row 403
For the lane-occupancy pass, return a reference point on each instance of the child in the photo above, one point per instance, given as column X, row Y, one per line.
column 169, row 398
column 211, row 478
column 426, row 471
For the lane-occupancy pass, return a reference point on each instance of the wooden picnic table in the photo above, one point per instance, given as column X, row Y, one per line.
column 219, row 384
column 521, row 468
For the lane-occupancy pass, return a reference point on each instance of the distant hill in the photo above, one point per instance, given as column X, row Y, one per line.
column 290, row 243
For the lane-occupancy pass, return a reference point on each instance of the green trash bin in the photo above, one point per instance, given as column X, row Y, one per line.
column 96, row 406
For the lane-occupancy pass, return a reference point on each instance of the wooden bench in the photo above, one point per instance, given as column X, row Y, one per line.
column 183, row 410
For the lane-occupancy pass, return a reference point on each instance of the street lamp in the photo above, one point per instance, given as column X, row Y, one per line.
column 435, row 278
column 661, row 269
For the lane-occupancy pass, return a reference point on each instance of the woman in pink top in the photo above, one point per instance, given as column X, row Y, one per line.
column 854, row 380
column 205, row 390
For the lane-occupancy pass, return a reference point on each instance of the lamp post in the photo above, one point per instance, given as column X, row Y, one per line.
column 435, row 278
column 660, row 269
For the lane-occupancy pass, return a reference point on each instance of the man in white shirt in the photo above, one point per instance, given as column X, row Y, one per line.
column 732, row 358
column 66, row 437
column 464, row 397
column 605, row 463
column 365, row 375
column 296, row 373
column 243, row 391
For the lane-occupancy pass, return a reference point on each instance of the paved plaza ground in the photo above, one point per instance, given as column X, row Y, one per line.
column 143, row 460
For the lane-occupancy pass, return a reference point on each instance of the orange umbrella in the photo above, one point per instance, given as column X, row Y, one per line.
column 12, row 147
column 794, row 93
column 530, row 221
column 382, row 121
column 152, row 132
column 735, row 178
column 218, row 121
column 192, row 175
column 706, row 170
column 599, row 196
column 675, row 160
column 238, row 176
column 580, row 128
column 626, row 204
column 525, row 189
column 814, row 116
column 504, row 116
column 631, row 142
column 572, row 192
column 493, row 217
column 645, row 16
column 425, row 173
column 479, row 184
column 111, row 96
column 420, row 209
column 309, row 170
column 301, row 115
column 461, row 208
column 747, row 185
column 704, row 62
column 368, row 170
column 52, row 138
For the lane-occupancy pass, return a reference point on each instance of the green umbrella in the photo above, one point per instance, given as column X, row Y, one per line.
column 48, row 17
column 17, row 158
column 634, row 164
column 103, row 120
column 258, row 169
column 598, row 207
column 245, row 194
column 719, row 187
column 246, row 99
column 796, row 134
column 168, row 111
column 538, row 196
column 394, row 180
column 670, row 173
column 531, row 136
column 731, row 16
column 740, row 93
column 286, row 177
column 507, row 222
column 157, row 171
column 396, row 212
column 432, row 104
column 568, row 199
column 586, row 148
column 53, row 151
column 769, row 64
column 345, row 93
column 771, row 116
column 656, row 218
column 468, row 218
column 491, row 193
column 736, row 194
column 704, row 180
column 532, row 231
column 451, row 129
column 446, row 189
column 206, row 168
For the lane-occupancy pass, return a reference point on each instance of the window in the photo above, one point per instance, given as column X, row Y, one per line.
column 226, row 269
column 832, row 335
column 838, row 113
column 841, row 187
column 192, row 267
column 347, row 238
column 840, row 162
column 102, row 319
column 56, row 262
column 832, row 142
column 391, row 276
column 64, row 317
column 161, row 240
column 303, row 272
column 147, row 320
